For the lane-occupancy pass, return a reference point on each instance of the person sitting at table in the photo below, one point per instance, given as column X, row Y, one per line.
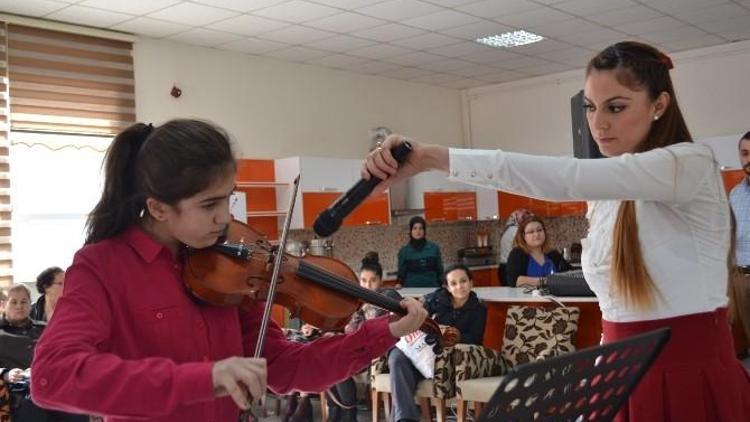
column 506, row 241
column 531, row 258
column 460, row 313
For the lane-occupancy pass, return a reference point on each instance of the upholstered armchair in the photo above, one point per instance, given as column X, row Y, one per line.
column 433, row 391
column 4, row 402
column 531, row 333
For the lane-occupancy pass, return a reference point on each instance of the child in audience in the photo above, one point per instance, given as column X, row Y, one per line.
column 455, row 307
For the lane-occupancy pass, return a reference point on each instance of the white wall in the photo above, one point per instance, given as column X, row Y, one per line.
column 278, row 109
column 533, row 115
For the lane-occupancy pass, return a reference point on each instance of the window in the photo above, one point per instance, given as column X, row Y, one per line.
column 56, row 181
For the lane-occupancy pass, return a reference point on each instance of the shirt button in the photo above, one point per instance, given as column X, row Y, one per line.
column 205, row 358
column 455, row 173
column 43, row 382
column 490, row 175
column 159, row 315
column 473, row 173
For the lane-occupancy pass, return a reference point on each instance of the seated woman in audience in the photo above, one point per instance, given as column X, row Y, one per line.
column 531, row 259
column 506, row 241
column 18, row 336
column 457, row 308
column 49, row 283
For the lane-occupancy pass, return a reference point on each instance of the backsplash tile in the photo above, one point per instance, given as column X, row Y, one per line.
column 351, row 244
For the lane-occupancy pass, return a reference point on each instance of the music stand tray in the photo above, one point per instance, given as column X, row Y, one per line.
column 588, row 385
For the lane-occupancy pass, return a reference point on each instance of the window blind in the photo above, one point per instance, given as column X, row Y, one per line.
column 69, row 83
column 6, row 277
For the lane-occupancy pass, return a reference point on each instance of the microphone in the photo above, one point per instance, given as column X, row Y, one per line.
column 330, row 219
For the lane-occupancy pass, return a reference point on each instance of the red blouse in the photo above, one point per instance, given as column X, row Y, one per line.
column 127, row 341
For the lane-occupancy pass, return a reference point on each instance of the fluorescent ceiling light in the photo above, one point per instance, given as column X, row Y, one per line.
column 510, row 39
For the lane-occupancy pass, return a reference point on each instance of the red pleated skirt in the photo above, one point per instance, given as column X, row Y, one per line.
column 696, row 377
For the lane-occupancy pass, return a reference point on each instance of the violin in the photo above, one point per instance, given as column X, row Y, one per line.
column 322, row 291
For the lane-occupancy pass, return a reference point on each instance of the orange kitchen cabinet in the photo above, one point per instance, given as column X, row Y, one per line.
column 731, row 178
column 372, row 211
column 256, row 179
column 485, row 277
column 509, row 202
column 450, row 206
column 313, row 203
column 375, row 210
column 572, row 208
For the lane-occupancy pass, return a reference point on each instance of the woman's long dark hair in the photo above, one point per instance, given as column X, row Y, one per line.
column 168, row 163
column 640, row 66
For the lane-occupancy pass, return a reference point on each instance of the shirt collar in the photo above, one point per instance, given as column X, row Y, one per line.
column 143, row 244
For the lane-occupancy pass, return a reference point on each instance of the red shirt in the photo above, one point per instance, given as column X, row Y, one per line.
column 128, row 341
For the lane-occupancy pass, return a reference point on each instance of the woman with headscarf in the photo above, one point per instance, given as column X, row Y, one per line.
column 419, row 262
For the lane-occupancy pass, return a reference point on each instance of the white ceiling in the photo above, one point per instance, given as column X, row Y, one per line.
column 424, row 41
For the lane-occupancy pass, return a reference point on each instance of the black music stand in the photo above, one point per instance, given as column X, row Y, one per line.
column 588, row 385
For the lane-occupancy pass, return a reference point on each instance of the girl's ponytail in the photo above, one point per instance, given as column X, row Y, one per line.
column 119, row 205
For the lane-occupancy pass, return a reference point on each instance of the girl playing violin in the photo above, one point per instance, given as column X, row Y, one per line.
column 128, row 342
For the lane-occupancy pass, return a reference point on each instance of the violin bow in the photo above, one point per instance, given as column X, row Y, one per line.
column 247, row 414
column 276, row 267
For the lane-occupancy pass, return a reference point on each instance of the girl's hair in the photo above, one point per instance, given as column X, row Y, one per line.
column 640, row 66
column 455, row 267
column 46, row 278
column 519, row 241
column 168, row 163
column 371, row 262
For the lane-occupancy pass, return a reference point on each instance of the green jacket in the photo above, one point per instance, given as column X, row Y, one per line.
column 420, row 268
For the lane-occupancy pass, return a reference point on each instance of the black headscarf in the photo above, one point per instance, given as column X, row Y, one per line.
column 417, row 244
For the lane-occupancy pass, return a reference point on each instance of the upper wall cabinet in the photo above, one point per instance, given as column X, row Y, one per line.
column 508, row 202
column 322, row 181
column 257, row 188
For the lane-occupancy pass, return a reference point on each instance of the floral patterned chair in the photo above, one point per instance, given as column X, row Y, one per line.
column 531, row 333
column 435, row 391
column 4, row 402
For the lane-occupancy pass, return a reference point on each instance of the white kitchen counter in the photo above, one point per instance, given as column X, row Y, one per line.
column 391, row 274
column 500, row 294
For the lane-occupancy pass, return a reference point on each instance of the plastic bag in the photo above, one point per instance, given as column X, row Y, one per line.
column 419, row 352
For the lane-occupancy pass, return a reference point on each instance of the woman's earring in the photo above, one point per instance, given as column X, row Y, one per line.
column 656, row 117
column 142, row 213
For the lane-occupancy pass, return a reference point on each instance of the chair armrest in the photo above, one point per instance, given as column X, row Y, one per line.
column 4, row 401
column 472, row 361
column 379, row 366
column 444, row 384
